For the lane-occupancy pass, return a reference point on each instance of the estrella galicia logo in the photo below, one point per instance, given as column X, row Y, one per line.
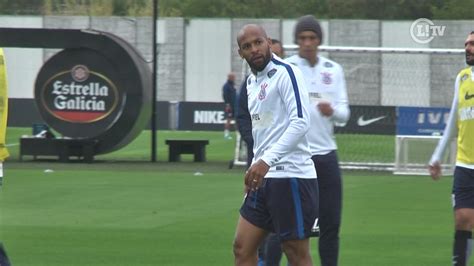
column 80, row 73
column 271, row 73
column 79, row 95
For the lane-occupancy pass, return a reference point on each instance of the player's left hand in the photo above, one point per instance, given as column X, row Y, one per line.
column 255, row 174
column 325, row 108
column 435, row 170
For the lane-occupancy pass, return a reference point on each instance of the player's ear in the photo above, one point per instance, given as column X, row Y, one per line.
column 240, row 53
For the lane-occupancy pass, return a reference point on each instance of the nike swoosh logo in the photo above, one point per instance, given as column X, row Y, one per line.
column 362, row 123
column 468, row 97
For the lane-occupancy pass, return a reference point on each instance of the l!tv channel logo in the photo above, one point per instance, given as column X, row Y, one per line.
column 424, row 30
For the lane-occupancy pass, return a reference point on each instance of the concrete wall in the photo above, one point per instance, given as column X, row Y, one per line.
column 195, row 56
column 22, row 64
column 208, row 55
column 171, row 60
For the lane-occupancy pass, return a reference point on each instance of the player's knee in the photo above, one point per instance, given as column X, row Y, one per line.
column 289, row 251
column 239, row 249
column 295, row 251
column 464, row 219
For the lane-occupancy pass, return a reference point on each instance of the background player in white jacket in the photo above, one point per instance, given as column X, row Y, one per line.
column 281, row 182
column 329, row 105
column 461, row 120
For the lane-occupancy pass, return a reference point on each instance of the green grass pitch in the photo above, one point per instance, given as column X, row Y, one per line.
column 124, row 210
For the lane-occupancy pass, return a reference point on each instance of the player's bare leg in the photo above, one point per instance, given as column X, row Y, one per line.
column 248, row 238
column 297, row 252
column 227, row 127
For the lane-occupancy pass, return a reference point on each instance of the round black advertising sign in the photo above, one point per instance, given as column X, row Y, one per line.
column 85, row 94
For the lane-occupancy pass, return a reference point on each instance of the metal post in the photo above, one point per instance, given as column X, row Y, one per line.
column 154, row 85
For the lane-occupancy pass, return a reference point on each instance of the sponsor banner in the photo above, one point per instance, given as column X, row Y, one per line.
column 24, row 113
column 364, row 119
column 201, row 116
column 97, row 88
column 370, row 120
column 422, row 121
column 79, row 94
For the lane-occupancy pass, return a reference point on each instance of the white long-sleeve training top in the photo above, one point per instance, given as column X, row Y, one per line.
column 278, row 105
column 325, row 82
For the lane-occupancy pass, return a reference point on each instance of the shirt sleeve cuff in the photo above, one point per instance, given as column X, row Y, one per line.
column 266, row 160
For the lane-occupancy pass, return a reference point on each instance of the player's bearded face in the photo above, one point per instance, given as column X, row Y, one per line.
column 256, row 52
column 469, row 47
column 259, row 61
column 469, row 58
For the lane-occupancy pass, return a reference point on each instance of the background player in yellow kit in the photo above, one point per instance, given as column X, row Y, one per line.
column 3, row 127
column 461, row 119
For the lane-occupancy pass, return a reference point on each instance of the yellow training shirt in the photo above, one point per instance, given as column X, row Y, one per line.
column 3, row 107
column 465, row 121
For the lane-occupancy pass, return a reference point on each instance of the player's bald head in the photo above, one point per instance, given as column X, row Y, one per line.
column 251, row 29
column 254, row 46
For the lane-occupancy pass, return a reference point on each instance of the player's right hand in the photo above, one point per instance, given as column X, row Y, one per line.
column 435, row 170
column 255, row 175
column 228, row 108
column 325, row 108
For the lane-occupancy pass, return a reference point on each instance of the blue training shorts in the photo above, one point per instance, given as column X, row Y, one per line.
column 286, row 206
column 463, row 188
